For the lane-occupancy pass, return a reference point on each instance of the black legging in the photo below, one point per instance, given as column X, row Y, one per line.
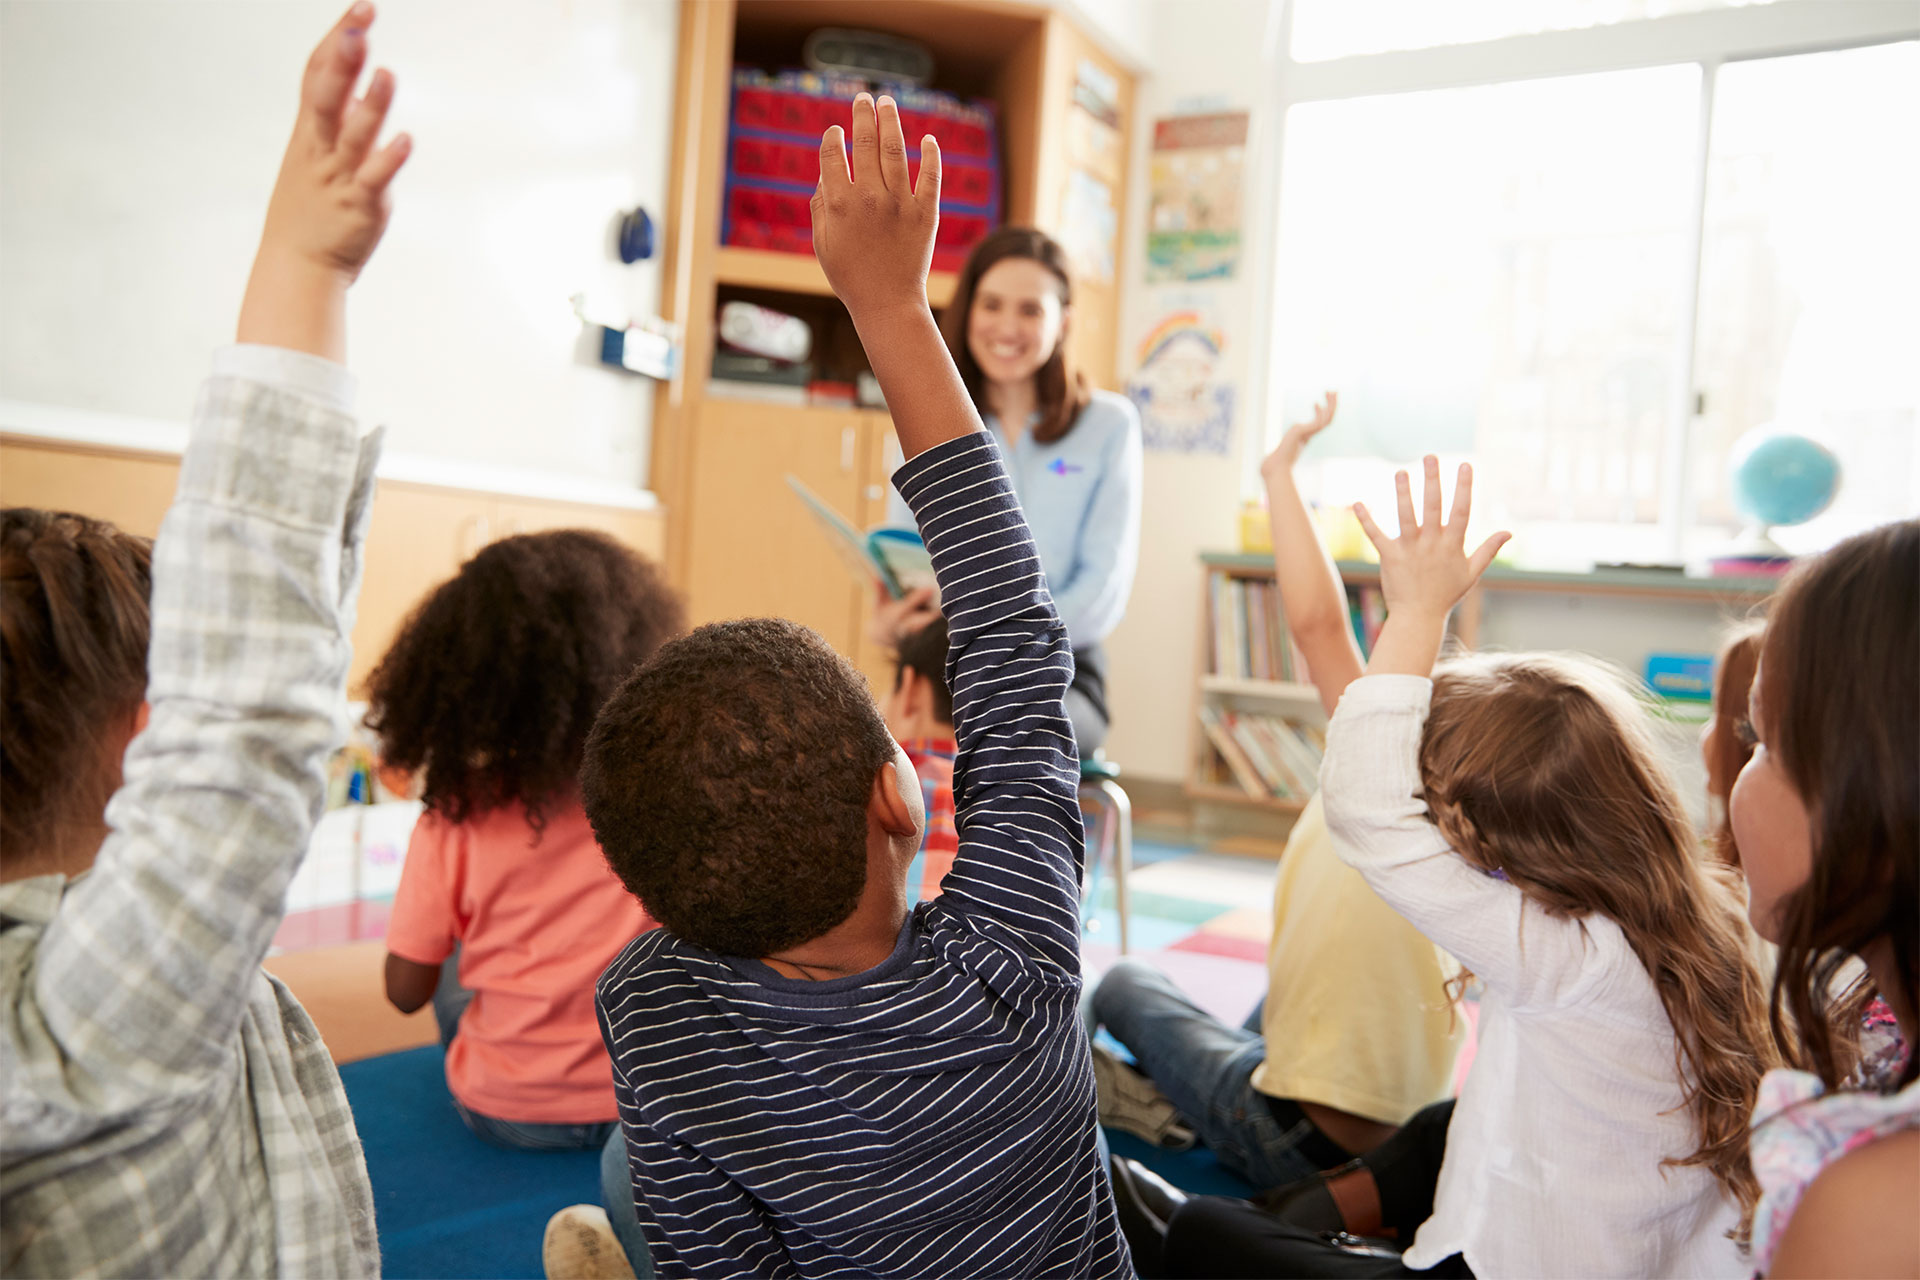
column 1219, row 1236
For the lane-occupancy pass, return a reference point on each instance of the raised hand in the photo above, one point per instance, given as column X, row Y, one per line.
column 895, row 620
column 330, row 204
column 1287, row 452
column 872, row 229
column 1426, row 570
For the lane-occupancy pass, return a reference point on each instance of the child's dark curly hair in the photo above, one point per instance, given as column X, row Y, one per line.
column 496, row 677
column 727, row 780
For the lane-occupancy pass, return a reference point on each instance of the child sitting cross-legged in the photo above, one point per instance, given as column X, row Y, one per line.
column 506, row 911
column 814, row 1079
column 1514, row 809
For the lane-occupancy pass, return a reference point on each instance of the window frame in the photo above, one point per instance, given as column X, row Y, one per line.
column 1708, row 39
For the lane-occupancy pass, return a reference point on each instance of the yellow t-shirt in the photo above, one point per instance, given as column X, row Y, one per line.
column 1357, row 1016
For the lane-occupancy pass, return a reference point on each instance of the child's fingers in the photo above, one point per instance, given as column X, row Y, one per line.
column 1478, row 562
column 1430, row 505
column 928, row 192
column 893, row 150
column 834, row 175
column 362, row 127
column 1374, row 533
column 865, row 151
column 334, row 67
column 1462, row 501
column 380, row 167
column 1403, row 494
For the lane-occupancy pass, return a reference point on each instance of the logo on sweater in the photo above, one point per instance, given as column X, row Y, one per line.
column 1061, row 467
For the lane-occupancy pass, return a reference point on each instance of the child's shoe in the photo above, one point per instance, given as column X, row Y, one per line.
column 1132, row 1103
column 580, row 1245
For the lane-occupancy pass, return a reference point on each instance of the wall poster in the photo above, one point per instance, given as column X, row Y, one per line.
column 1193, row 220
column 1185, row 400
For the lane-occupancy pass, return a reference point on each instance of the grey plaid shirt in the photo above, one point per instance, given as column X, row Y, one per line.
column 169, row 1109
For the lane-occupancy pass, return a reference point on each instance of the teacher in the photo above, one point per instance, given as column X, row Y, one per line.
column 1073, row 452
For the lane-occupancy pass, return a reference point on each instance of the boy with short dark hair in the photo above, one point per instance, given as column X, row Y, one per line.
column 813, row 1080
column 920, row 717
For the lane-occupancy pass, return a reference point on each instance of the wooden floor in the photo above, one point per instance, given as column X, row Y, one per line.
column 343, row 989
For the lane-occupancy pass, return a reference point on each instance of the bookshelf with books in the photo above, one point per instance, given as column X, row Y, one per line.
column 1257, row 724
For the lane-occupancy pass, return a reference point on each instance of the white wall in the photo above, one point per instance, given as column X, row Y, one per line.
column 1190, row 501
column 138, row 143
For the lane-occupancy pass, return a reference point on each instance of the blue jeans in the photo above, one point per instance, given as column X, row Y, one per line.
column 450, row 1000
column 1205, row 1068
column 616, row 1191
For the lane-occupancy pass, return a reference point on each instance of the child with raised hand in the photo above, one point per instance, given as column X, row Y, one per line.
column 1513, row 809
column 813, row 1079
column 168, row 1108
column 1827, row 815
column 1356, row 1033
column 488, row 693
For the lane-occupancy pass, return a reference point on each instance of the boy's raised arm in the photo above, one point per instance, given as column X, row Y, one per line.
column 1008, row 661
column 145, row 972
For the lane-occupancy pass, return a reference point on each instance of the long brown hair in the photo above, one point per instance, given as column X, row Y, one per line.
column 75, row 615
column 1541, row 767
column 1840, row 686
column 1061, row 389
column 1732, row 731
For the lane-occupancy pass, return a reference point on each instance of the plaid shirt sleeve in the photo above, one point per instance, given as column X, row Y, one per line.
column 142, row 977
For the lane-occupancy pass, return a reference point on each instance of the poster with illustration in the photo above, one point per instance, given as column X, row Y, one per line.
column 1180, row 387
column 1193, row 222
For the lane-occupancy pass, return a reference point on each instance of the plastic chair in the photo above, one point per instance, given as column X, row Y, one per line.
column 1111, row 843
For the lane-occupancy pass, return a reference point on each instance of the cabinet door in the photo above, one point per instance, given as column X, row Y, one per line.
column 754, row 549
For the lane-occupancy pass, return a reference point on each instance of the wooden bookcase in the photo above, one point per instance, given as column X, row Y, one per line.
column 738, row 542
column 1209, row 781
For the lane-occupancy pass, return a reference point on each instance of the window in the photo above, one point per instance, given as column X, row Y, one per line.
column 1810, row 279
column 1573, row 282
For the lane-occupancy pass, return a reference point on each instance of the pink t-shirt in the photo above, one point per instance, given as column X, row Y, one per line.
column 537, row 924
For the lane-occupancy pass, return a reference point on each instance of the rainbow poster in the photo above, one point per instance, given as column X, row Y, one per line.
column 1180, row 388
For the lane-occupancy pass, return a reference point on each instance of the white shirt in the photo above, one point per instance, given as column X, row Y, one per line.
column 1553, row 1164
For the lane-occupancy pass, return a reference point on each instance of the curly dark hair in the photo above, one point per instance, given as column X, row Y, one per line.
column 925, row 653
column 727, row 781
column 495, row 679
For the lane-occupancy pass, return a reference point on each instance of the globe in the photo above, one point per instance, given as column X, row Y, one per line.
column 1782, row 478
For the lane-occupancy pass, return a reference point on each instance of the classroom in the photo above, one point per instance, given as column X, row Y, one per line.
column 960, row 638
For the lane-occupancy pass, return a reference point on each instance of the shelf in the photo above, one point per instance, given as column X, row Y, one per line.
column 1274, row 690
column 800, row 273
column 1219, row 794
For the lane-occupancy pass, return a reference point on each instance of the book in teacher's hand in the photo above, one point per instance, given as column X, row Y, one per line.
column 896, row 558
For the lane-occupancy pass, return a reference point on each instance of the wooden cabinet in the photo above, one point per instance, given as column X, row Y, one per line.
column 737, row 540
column 419, row 535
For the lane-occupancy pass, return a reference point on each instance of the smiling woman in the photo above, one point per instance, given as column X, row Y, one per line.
column 1073, row 452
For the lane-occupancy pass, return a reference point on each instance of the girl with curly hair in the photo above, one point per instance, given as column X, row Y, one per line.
column 507, row 911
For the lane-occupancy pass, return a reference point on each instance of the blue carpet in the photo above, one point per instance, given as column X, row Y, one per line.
column 1195, row 1172
column 448, row 1204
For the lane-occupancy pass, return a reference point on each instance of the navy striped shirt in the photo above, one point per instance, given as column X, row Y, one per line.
column 933, row 1116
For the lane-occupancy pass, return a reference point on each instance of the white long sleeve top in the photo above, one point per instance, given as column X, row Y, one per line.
column 1553, row 1163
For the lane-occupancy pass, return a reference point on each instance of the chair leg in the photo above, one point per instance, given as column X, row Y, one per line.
column 1122, row 860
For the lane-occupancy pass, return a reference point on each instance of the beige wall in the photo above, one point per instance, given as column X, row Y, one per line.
column 1191, row 502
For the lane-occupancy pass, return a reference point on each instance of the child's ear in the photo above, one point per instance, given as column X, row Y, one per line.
column 896, row 801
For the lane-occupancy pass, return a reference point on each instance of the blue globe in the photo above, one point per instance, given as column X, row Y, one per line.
column 1782, row 478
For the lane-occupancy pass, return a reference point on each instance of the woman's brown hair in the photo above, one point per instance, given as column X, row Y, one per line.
column 1732, row 744
column 1840, row 692
column 75, row 616
column 1061, row 389
column 1541, row 768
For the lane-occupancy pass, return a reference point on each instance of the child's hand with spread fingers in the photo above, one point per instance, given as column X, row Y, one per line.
column 872, row 230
